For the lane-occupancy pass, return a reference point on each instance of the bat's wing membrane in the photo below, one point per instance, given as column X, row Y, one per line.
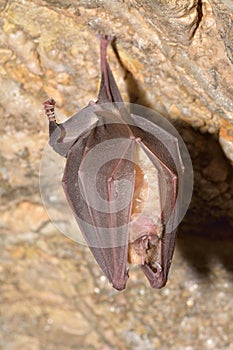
column 64, row 135
column 170, row 170
column 168, row 191
column 99, row 182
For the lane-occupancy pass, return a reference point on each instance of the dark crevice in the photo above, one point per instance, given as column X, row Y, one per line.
column 136, row 94
column 199, row 15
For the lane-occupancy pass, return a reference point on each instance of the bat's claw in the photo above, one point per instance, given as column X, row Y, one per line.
column 49, row 106
column 107, row 39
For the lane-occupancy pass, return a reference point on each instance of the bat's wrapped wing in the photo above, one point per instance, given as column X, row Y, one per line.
column 163, row 151
column 64, row 135
column 104, row 182
column 100, row 182
column 99, row 185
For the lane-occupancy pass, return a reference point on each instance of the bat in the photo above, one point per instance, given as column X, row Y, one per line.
column 123, row 180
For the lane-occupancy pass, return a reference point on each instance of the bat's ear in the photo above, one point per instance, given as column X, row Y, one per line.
column 157, row 279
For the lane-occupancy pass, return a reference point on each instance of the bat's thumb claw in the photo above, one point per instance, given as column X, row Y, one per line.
column 49, row 106
column 49, row 102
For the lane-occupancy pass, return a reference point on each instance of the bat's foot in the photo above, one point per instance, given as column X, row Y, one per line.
column 106, row 39
column 49, row 106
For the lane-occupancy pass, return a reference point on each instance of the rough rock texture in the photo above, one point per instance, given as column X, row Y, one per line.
column 178, row 59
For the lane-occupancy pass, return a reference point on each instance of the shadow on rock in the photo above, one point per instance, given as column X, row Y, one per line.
column 206, row 233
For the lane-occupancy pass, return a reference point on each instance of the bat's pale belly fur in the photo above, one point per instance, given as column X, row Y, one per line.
column 146, row 228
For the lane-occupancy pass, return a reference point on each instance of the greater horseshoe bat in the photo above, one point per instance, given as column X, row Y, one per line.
column 121, row 181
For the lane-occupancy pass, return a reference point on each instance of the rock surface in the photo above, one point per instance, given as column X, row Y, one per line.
column 177, row 59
